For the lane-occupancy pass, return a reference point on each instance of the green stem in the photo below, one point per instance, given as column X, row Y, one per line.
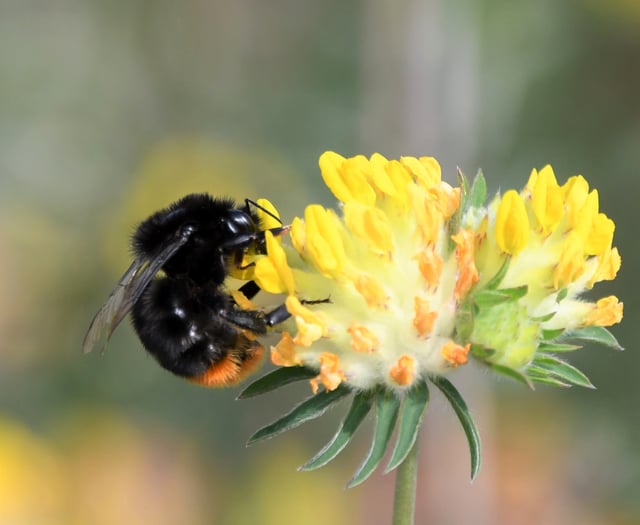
column 404, row 503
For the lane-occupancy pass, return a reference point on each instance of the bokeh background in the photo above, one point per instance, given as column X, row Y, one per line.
column 110, row 110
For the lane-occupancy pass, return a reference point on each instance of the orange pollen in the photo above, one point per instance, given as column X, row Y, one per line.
column 606, row 312
column 430, row 265
column 362, row 339
column 424, row 319
column 371, row 290
column 455, row 354
column 404, row 371
column 330, row 375
column 241, row 300
column 284, row 353
column 468, row 273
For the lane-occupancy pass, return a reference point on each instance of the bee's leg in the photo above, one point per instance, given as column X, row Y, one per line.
column 257, row 321
column 251, row 320
column 281, row 314
column 277, row 315
column 249, row 289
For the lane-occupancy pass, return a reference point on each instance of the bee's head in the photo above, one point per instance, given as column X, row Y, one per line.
column 211, row 231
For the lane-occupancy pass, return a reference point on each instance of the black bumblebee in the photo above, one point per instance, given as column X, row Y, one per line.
column 184, row 318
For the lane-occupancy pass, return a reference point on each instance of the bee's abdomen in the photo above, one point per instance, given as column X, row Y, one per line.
column 180, row 326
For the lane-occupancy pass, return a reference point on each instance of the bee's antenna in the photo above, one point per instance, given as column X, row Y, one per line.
column 248, row 202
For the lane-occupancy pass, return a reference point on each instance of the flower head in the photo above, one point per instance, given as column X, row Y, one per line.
column 414, row 277
column 411, row 277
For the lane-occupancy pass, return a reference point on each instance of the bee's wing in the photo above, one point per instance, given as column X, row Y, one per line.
column 128, row 290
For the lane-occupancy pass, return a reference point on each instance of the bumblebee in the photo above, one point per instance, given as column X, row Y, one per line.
column 174, row 290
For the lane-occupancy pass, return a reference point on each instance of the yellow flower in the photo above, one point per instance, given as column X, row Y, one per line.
column 416, row 276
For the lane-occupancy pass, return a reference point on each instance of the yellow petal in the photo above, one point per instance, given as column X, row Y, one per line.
column 402, row 180
column 298, row 236
column 370, row 224
column 601, row 236
column 245, row 269
column 576, row 190
column 272, row 273
column 330, row 166
column 323, row 239
column 585, row 216
column 269, row 216
column 310, row 325
column 355, row 173
column 572, row 262
column 379, row 175
column 267, row 277
column 345, row 177
column 547, row 200
column 512, row 223
column 446, row 197
column 426, row 170
column 609, row 264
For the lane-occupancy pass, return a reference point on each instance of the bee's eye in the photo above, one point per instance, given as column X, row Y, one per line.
column 238, row 222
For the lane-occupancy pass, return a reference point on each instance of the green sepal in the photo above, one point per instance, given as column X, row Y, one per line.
column 469, row 427
column 481, row 352
column 550, row 335
column 485, row 298
column 512, row 373
column 277, row 378
column 561, row 370
column 478, row 192
column 593, row 334
column 361, row 406
column 413, row 409
column 311, row 408
column 557, row 347
column 539, row 375
column 495, row 281
column 562, row 294
column 387, row 405
column 543, row 318
column 464, row 191
column 464, row 320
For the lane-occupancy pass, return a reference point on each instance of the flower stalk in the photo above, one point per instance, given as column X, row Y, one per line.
column 404, row 500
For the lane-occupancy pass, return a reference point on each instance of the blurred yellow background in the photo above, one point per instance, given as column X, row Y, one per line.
column 111, row 110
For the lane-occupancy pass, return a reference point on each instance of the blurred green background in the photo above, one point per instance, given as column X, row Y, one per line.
column 110, row 110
